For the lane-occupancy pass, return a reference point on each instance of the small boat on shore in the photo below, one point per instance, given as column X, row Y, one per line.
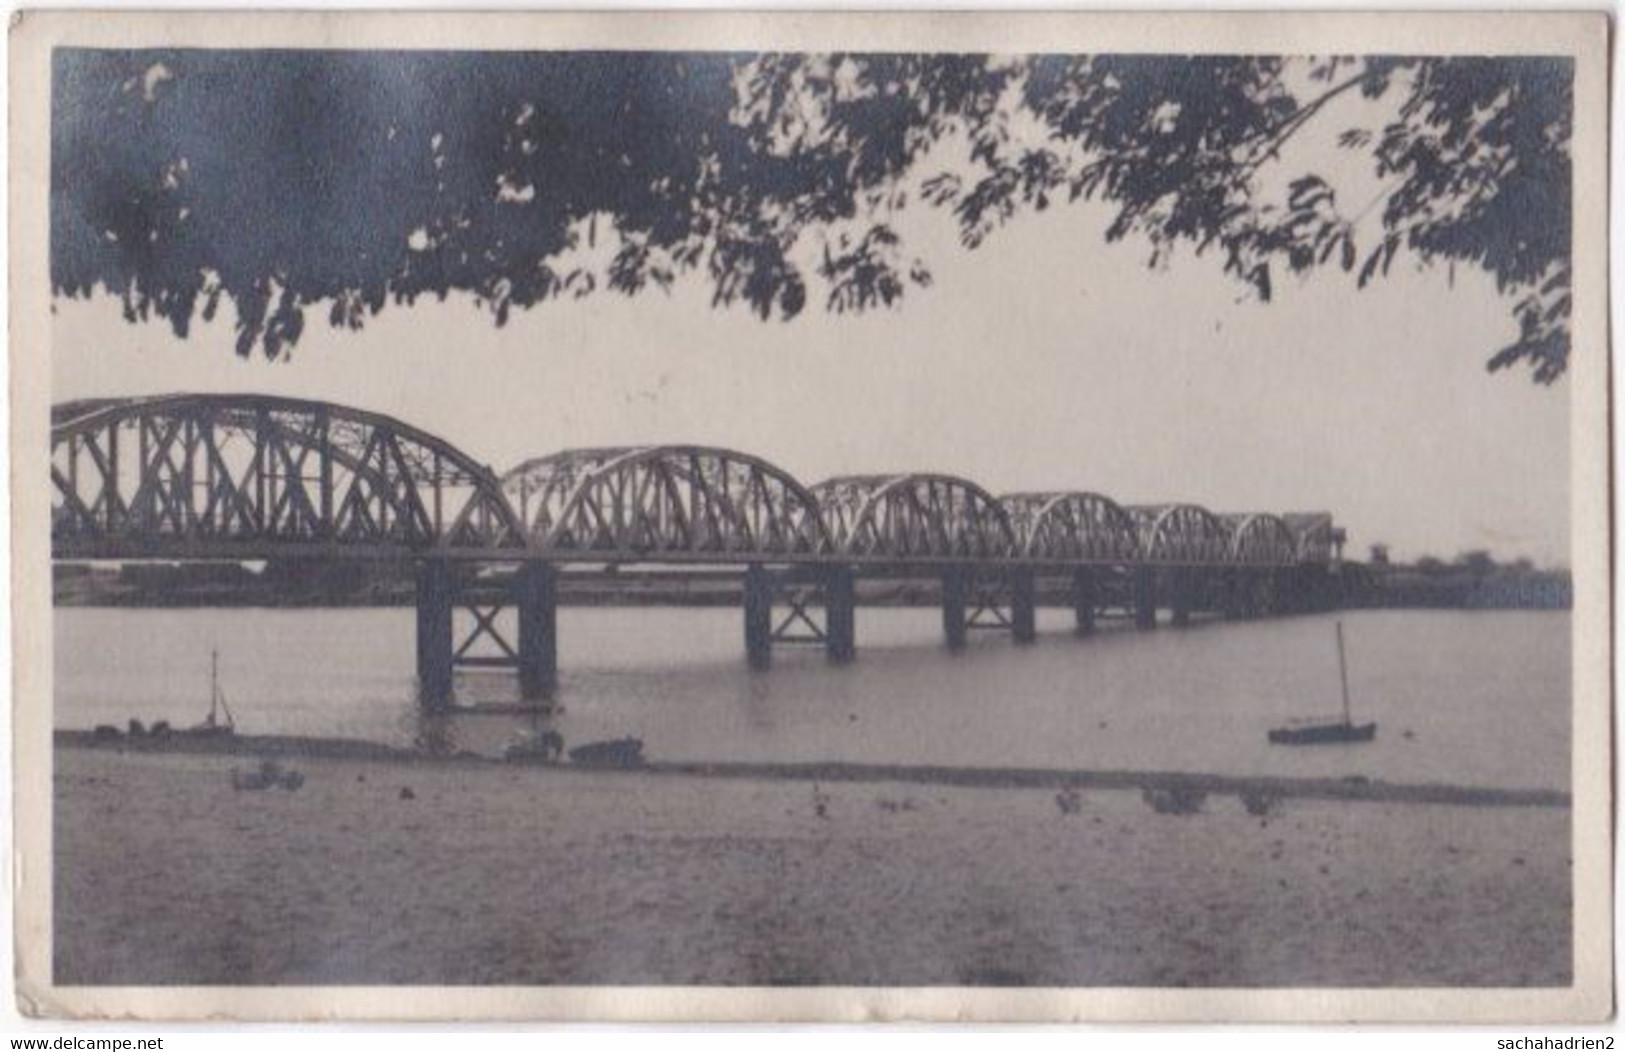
column 1328, row 732
column 1323, row 733
column 219, row 723
column 541, row 747
column 619, row 752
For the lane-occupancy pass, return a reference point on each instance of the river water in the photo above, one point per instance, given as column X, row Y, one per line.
column 1472, row 698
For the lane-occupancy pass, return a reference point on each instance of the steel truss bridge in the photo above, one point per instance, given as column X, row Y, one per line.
column 195, row 477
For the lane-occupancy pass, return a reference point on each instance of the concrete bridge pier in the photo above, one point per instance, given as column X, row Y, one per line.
column 954, row 588
column 840, row 614
column 1023, row 605
column 536, row 594
column 1083, row 600
column 758, row 602
column 436, row 592
column 1145, row 598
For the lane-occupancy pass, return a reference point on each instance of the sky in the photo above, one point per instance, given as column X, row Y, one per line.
column 1045, row 359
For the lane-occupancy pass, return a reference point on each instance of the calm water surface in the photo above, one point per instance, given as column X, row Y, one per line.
column 1477, row 698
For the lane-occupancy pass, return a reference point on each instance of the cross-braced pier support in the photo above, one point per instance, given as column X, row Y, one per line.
column 833, row 586
column 533, row 594
column 1006, row 601
column 1250, row 593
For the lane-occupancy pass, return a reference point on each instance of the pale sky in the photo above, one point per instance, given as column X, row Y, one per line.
column 1045, row 359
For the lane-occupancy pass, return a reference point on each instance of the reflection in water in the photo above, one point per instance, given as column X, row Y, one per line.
column 1476, row 698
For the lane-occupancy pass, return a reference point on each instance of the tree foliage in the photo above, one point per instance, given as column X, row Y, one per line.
column 286, row 181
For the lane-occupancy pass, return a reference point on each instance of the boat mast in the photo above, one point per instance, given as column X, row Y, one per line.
column 217, row 700
column 1343, row 674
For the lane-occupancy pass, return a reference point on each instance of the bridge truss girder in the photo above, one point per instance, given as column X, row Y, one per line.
column 1072, row 528
column 1181, row 535
column 915, row 517
column 1260, row 539
column 243, row 477
column 678, row 503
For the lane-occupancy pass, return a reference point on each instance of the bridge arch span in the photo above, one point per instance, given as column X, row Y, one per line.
column 1072, row 527
column 1183, row 534
column 235, row 476
column 665, row 502
column 915, row 516
column 1316, row 537
column 1260, row 539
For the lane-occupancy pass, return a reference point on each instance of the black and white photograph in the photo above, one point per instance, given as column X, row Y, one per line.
column 972, row 507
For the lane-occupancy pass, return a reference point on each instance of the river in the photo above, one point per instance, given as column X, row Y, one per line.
column 1472, row 698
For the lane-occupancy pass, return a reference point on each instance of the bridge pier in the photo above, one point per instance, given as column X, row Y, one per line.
column 1233, row 593
column 1252, row 593
column 840, row 614
column 1261, row 594
column 758, row 603
column 435, row 594
column 1023, row 605
column 1287, row 598
column 536, row 596
column 1145, row 598
column 953, row 608
column 1083, row 600
column 1181, row 592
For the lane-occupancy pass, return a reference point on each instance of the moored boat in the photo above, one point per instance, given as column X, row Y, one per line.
column 1323, row 733
column 619, row 752
column 219, row 722
column 1328, row 732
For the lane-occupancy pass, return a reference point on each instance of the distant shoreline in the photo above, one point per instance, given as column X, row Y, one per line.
column 1351, row 789
column 338, row 585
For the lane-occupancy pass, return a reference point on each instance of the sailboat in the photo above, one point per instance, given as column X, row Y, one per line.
column 214, row 725
column 1325, row 732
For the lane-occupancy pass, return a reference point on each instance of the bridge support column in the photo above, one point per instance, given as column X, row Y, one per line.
column 953, row 608
column 536, row 594
column 1242, row 594
column 1083, row 600
column 1285, row 584
column 1182, row 592
column 435, row 592
column 758, row 617
column 1023, row 606
column 840, row 614
column 1145, row 598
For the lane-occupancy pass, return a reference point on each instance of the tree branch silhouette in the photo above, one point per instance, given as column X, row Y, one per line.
column 279, row 181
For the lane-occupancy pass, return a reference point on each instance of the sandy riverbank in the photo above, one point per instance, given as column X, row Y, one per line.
column 494, row 874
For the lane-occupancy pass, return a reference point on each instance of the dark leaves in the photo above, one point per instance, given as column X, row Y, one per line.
column 345, row 180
